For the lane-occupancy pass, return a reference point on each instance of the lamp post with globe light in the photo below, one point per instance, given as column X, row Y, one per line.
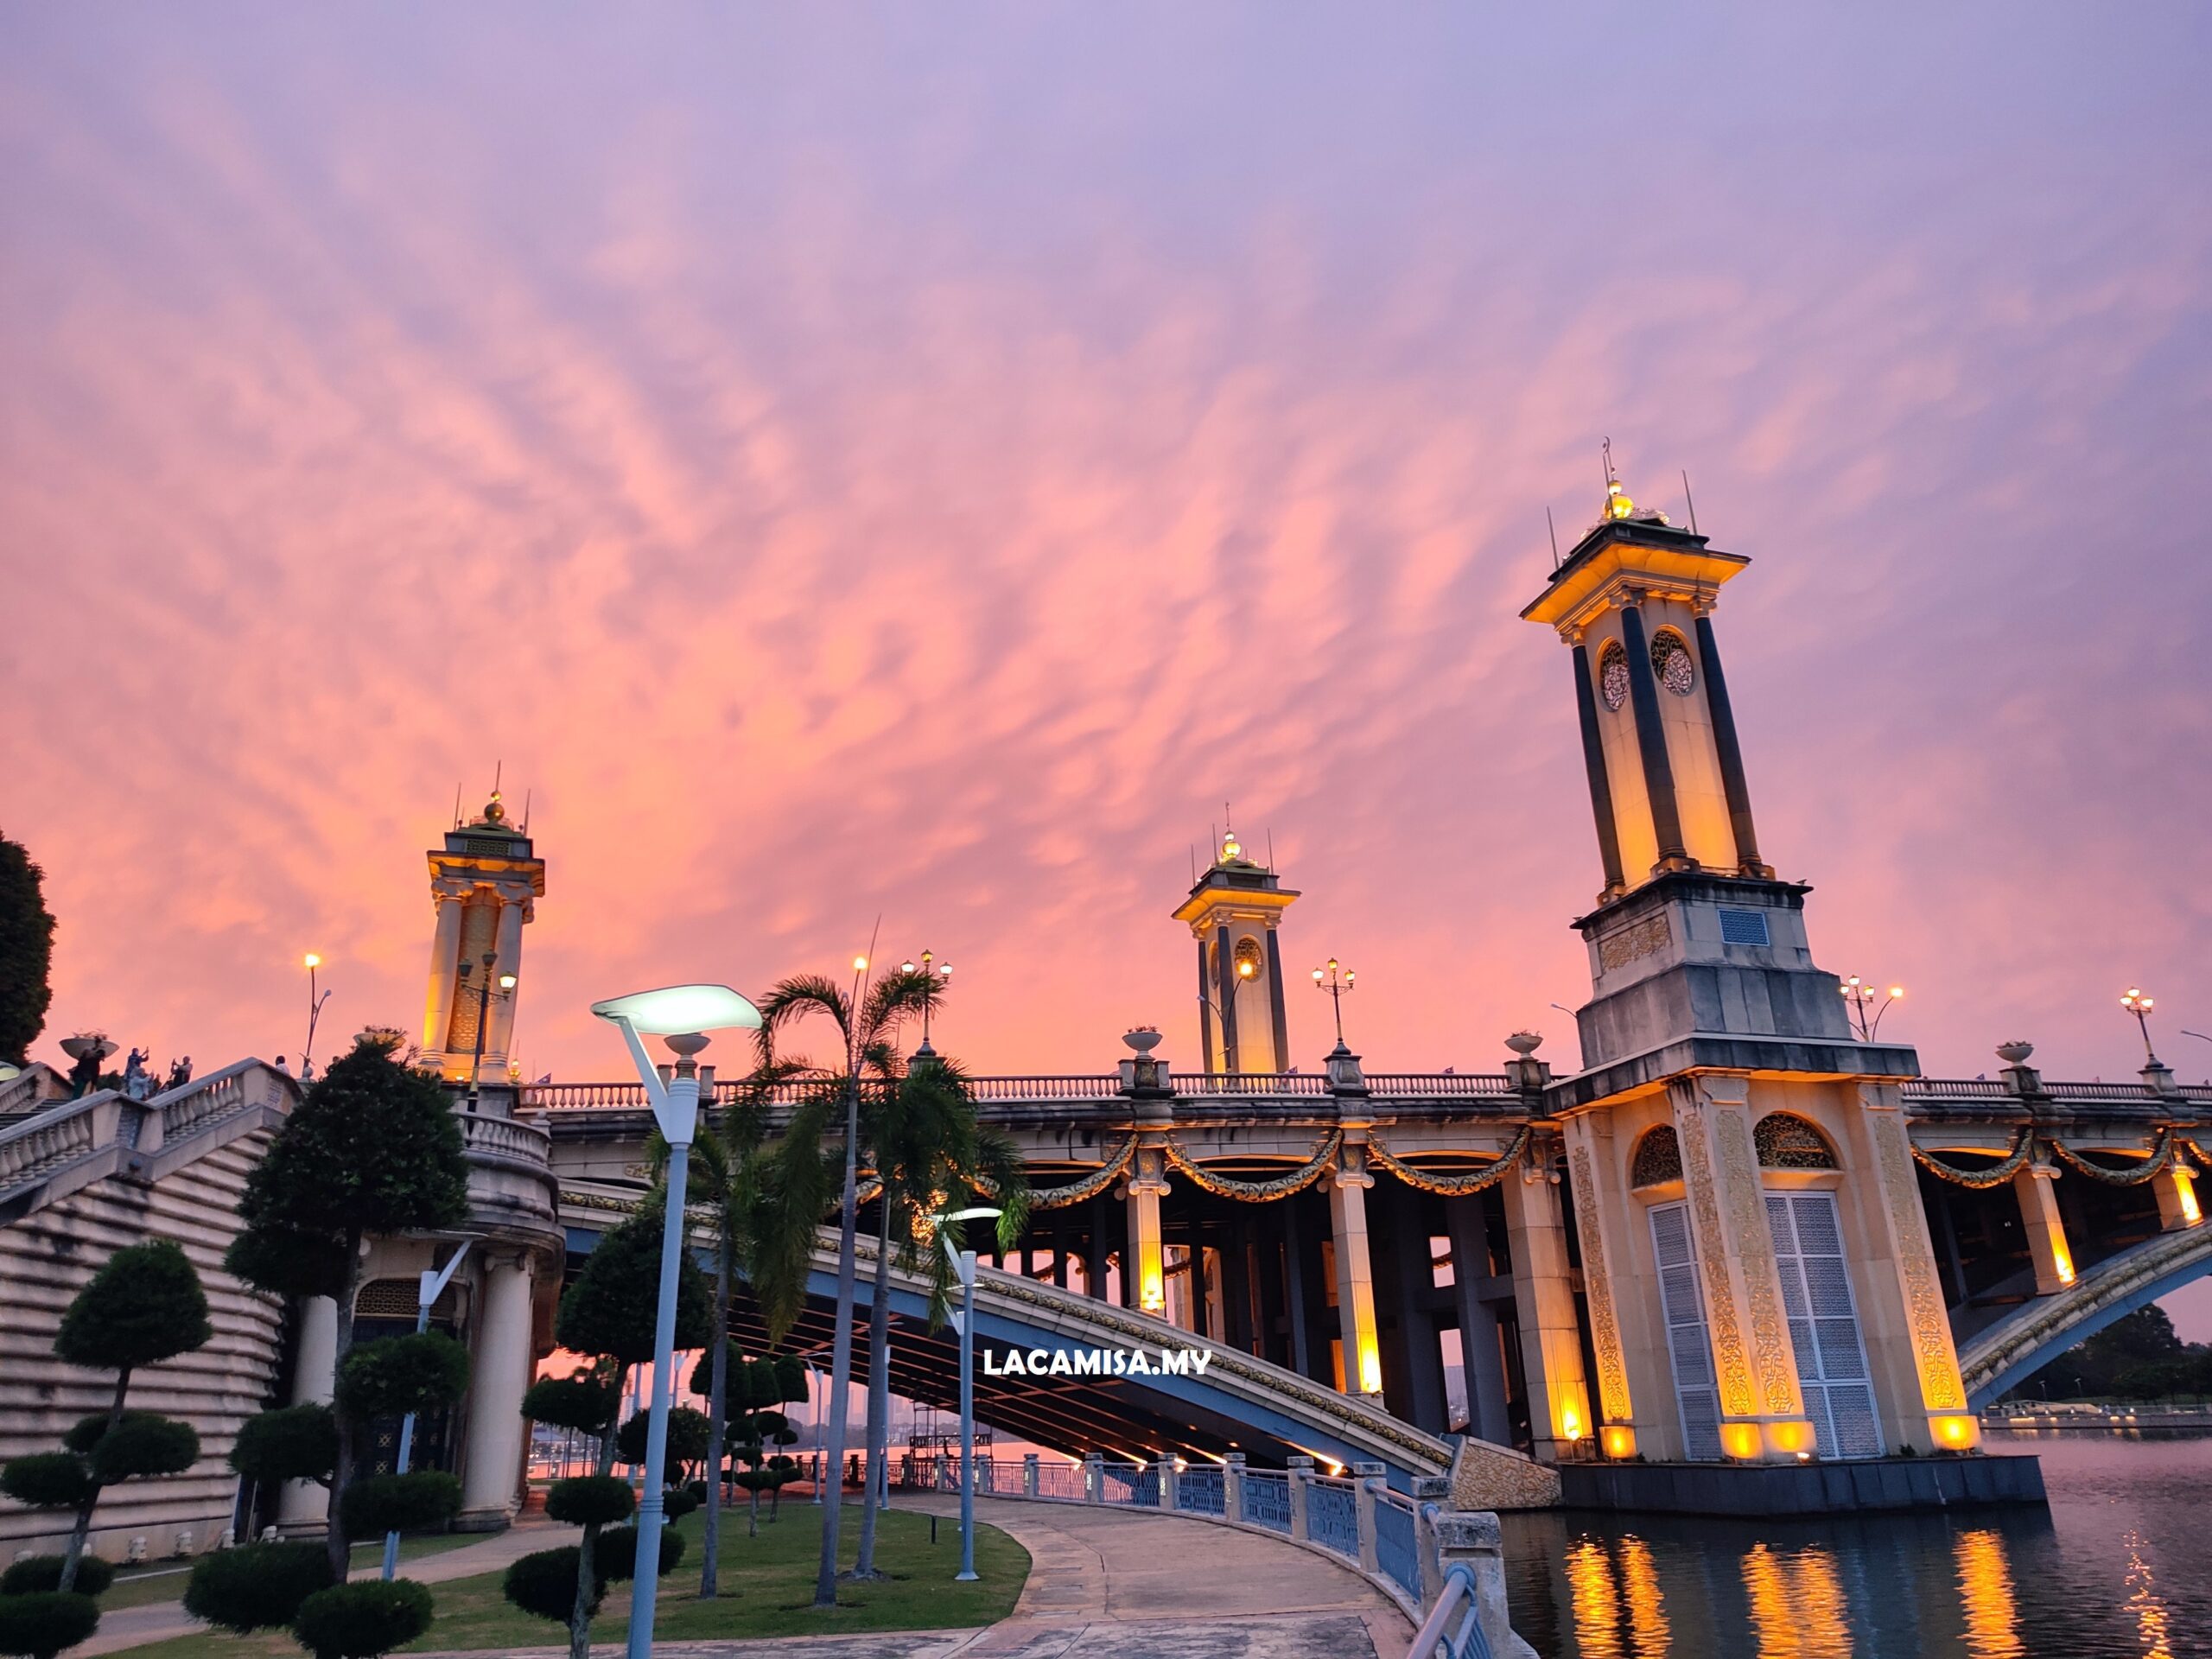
column 1863, row 996
column 678, row 1014
column 2138, row 1004
column 315, row 1013
column 963, row 1265
column 1338, row 986
column 483, row 1009
column 938, row 972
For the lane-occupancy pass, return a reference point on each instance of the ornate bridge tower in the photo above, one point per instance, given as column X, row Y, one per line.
column 1233, row 911
column 1756, row 1266
column 485, row 882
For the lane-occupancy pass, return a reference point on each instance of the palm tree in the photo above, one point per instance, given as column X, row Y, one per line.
column 796, row 1187
column 930, row 1152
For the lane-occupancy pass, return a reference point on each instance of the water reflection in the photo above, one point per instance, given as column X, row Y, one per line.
column 2116, row 1568
column 1992, row 1612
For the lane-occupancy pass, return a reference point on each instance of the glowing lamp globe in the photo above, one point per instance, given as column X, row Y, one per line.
column 674, row 1009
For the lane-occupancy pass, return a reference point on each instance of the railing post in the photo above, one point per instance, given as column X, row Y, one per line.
column 1029, row 1474
column 1367, row 1480
column 1301, row 1477
column 1094, row 1478
column 1169, row 1485
column 1473, row 1536
column 1431, row 1492
column 1232, row 1487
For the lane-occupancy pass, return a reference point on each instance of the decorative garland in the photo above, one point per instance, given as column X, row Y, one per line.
column 2161, row 1157
column 1450, row 1186
column 1058, row 1198
column 1222, row 1186
column 1995, row 1175
column 2196, row 1151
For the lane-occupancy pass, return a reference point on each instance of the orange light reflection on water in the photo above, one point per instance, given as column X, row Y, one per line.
column 1992, row 1610
column 2152, row 1619
column 1595, row 1593
column 1647, row 1608
column 1797, row 1604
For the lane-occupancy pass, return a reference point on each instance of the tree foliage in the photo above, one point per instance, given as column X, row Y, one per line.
column 145, row 1305
column 34, row 1574
column 393, row 1376
column 256, row 1586
column 610, row 1310
column 42, row 1623
column 48, row 1480
column 2136, row 1356
column 291, row 1443
column 590, row 1500
column 545, row 1584
column 144, row 1445
column 359, row 1621
column 687, row 1437
column 581, row 1403
column 26, row 952
column 618, row 1552
column 415, row 1502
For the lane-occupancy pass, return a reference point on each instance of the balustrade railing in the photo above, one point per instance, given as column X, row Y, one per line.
column 1061, row 1480
column 53, row 1138
column 1440, row 1083
column 1397, row 1549
column 1266, row 1500
column 1333, row 1515
column 502, row 1137
column 1199, row 1491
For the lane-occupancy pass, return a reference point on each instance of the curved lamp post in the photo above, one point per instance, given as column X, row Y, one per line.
column 2139, row 1005
column 311, row 961
column 963, row 1264
column 681, row 1013
column 1862, row 996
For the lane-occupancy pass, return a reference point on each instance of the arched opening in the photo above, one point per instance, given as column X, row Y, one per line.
column 1785, row 1140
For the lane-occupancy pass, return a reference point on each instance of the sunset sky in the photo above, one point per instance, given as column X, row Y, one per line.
column 922, row 461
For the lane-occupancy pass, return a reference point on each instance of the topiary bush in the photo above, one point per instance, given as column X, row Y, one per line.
column 358, row 1621
column 36, row 1573
column 545, row 1584
column 618, row 1552
column 48, row 1480
column 586, row 1500
column 581, row 1403
column 293, row 1443
column 257, row 1586
column 686, row 1438
column 144, row 1445
column 409, row 1503
column 676, row 1505
column 44, row 1623
column 394, row 1376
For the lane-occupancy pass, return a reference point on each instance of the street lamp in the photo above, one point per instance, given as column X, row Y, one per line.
column 483, row 1005
column 963, row 1264
column 1862, row 996
column 938, row 972
column 679, row 1013
column 314, row 1012
column 429, row 1287
column 2139, row 1005
column 1338, row 986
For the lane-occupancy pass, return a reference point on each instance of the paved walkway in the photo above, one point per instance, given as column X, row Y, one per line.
column 134, row 1627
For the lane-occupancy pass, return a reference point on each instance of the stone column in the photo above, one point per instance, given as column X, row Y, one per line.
column 445, row 955
column 1029, row 1474
column 1170, row 1484
column 1094, row 1478
column 500, row 1369
column 305, row 1506
column 1232, row 1487
column 2177, row 1192
column 1761, row 1415
column 1593, row 764
column 1601, row 1211
column 1225, row 973
column 1651, row 737
column 1473, row 1539
column 498, row 1042
column 1725, row 745
column 1480, row 1359
column 1348, row 1187
column 1367, row 1481
column 1543, row 1293
column 2046, row 1233
column 1299, row 1484
column 1904, row 1228
column 1146, row 1285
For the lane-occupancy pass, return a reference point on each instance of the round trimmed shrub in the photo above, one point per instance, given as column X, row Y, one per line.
column 578, row 1403
column 676, row 1505
column 34, row 1574
column 48, row 1480
column 393, row 1376
column 616, row 1552
column 86, row 1432
column 412, row 1502
column 358, row 1621
column 545, row 1584
column 584, row 1500
column 294, row 1443
column 687, row 1437
column 257, row 1586
column 44, row 1623
column 145, row 1444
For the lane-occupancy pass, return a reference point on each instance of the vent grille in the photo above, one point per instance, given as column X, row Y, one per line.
column 1744, row 927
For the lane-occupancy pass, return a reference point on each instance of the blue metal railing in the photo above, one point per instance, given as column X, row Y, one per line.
column 1136, row 1484
column 1267, row 1501
column 1395, row 1551
column 1062, row 1480
column 1453, row 1628
column 1332, row 1516
column 1199, row 1491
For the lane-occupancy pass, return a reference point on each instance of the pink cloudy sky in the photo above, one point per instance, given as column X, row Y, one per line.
column 923, row 462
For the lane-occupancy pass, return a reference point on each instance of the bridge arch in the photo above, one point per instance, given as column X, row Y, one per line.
column 2016, row 1347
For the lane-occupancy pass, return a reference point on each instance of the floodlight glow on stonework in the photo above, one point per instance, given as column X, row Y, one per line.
column 676, row 1008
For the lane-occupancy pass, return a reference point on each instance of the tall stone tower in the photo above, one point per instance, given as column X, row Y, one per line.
column 1233, row 911
column 484, row 883
column 1756, row 1263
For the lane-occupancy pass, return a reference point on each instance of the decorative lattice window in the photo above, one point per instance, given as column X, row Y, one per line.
column 397, row 1299
column 1743, row 926
column 1249, row 964
column 1658, row 1159
column 1671, row 663
column 1612, row 674
column 1787, row 1142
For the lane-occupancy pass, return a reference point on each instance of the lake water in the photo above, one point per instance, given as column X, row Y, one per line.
column 2119, row 1565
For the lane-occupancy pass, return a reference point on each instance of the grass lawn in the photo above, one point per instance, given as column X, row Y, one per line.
column 147, row 1585
column 767, row 1589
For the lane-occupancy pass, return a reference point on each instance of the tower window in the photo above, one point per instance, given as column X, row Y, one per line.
column 1671, row 663
column 1658, row 1159
column 1612, row 674
column 1744, row 927
column 1248, row 957
column 1787, row 1142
